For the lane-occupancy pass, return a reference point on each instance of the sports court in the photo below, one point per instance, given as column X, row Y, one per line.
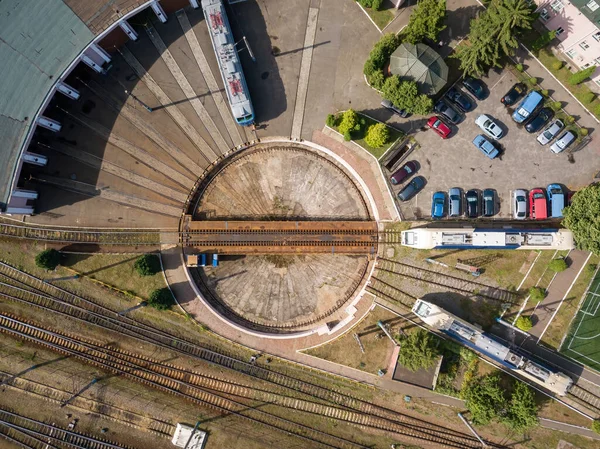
column 583, row 340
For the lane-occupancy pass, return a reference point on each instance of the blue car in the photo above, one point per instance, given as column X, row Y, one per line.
column 485, row 146
column 438, row 205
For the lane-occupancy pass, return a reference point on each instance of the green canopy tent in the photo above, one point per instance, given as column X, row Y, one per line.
column 422, row 64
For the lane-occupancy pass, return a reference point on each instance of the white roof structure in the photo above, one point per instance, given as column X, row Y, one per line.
column 185, row 436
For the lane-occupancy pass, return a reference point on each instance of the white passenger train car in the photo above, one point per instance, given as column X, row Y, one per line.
column 475, row 238
column 472, row 336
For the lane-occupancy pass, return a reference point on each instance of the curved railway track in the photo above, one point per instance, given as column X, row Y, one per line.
column 445, row 281
column 30, row 433
column 18, row 286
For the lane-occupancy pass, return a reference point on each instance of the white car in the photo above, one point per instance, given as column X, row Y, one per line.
column 550, row 132
column 519, row 204
column 489, row 127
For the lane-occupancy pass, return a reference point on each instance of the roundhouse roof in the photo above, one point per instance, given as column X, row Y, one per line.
column 422, row 64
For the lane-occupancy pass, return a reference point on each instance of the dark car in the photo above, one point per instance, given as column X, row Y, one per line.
column 460, row 99
column 489, row 202
column 539, row 120
column 388, row 105
column 412, row 188
column 473, row 208
column 475, row 86
column 447, row 111
column 404, row 172
column 513, row 95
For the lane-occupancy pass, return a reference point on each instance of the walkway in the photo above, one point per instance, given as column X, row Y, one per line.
column 557, row 292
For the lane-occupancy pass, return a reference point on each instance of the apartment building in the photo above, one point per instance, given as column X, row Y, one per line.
column 577, row 25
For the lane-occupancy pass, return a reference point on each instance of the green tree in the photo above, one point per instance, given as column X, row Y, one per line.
column 377, row 135
column 147, row 265
column 581, row 76
column 377, row 79
column 484, row 398
column 422, row 105
column 522, row 410
column 405, row 95
column 426, row 21
column 510, row 17
column 161, row 299
column 418, row 350
column 380, row 53
column 596, row 425
column 524, row 323
column 48, row 259
column 557, row 265
column 349, row 121
column 537, row 294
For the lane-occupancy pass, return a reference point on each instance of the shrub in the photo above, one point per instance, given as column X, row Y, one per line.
column 524, row 323
column 543, row 40
column 377, row 135
column 376, row 4
column 537, row 294
column 556, row 105
column 569, row 119
column 581, row 76
column 377, row 79
column 381, row 53
column 557, row 65
column 519, row 67
column 147, row 265
column 557, row 265
column 161, row 299
column 588, row 97
column 596, row 425
column 48, row 259
column 347, row 136
column 583, row 131
column 331, row 120
column 590, row 269
column 533, row 81
column 349, row 121
column 544, row 93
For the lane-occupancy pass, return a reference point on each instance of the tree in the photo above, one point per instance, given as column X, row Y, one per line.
column 422, row 105
column 581, row 76
column 380, row 53
column 418, row 350
column 524, row 323
column 484, row 398
column 161, row 299
column 377, row 135
column 405, row 95
column 48, row 259
column 537, row 294
column 522, row 409
column 426, row 21
column 349, row 121
column 147, row 265
column 557, row 265
column 511, row 17
column 377, row 79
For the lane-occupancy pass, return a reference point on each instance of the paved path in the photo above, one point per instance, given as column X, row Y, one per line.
column 557, row 292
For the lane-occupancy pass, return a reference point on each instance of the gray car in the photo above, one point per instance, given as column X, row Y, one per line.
column 550, row 132
column 455, row 202
column 519, row 204
column 563, row 142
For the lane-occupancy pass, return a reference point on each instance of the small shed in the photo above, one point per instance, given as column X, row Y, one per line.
column 188, row 437
column 420, row 63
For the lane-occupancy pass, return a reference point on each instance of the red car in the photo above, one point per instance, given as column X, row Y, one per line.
column 439, row 127
column 538, row 207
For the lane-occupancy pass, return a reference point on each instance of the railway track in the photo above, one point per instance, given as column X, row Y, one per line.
column 353, row 408
column 30, row 433
column 586, row 397
column 445, row 281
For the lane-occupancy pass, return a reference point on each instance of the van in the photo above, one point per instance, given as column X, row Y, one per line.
column 528, row 106
column 557, row 200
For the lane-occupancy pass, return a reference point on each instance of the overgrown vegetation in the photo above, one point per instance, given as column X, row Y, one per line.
column 524, row 323
column 582, row 217
column 426, row 21
column 161, row 299
column 147, row 265
column 557, row 265
column 405, row 95
column 48, row 259
column 418, row 350
column 537, row 294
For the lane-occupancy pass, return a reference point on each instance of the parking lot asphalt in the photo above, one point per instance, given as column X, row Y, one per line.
column 523, row 163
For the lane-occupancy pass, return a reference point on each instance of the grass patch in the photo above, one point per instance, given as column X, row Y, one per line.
column 378, row 348
column 382, row 17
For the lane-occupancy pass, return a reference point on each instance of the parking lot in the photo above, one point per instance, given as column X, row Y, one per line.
column 523, row 163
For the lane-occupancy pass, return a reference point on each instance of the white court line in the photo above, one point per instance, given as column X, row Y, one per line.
column 582, row 301
column 566, row 294
column 519, row 288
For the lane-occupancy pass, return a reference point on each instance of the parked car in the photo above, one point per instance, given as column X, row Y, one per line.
column 538, row 207
column 460, row 99
column 539, row 120
column 550, row 132
column 455, row 202
column 388, row 105
column 489, row 126
column 438, row 125
column 447, row 111
column 519, row 204
column 563, row 142
column 485, row 146
column 438, row 205
column 404, row 172
column 475, row 86
column 489, row 202
column 412, row 188
column 472, row 200
column 515, row 92
column 528, row 106
column 556, row 196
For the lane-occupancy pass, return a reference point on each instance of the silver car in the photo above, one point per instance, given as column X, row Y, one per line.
column 550, row 132
column 563, row 142
column 519, row 204
column 455, row 202
column 489, row 127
